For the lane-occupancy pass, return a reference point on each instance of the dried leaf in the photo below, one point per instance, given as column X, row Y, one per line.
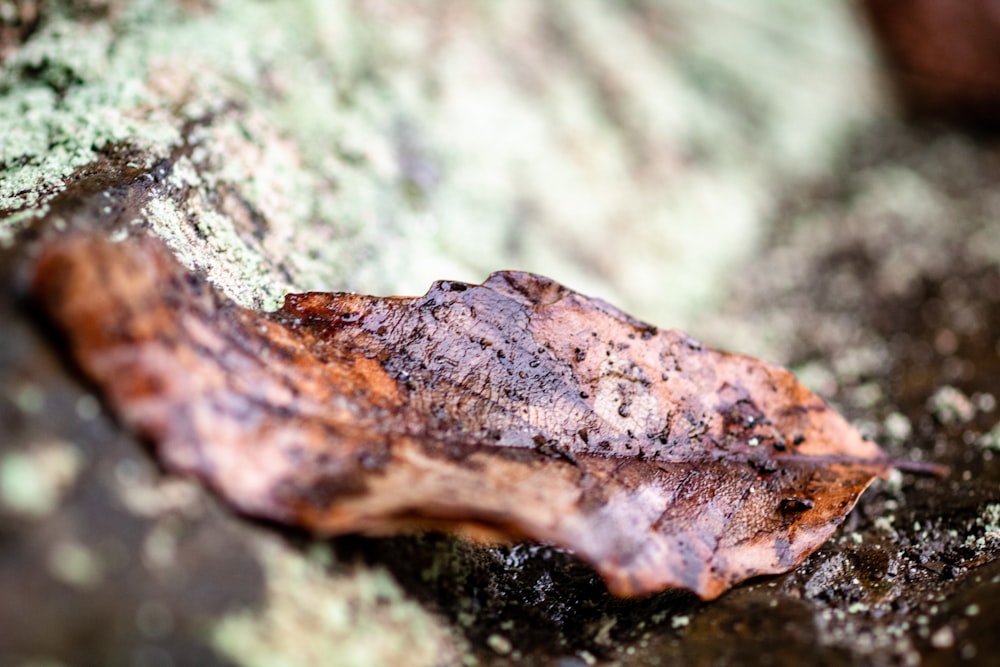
column 517, row 407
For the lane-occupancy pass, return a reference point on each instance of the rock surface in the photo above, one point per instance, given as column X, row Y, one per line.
column 362, row 157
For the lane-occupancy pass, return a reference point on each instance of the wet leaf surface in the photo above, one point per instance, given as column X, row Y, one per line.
column 516, row 408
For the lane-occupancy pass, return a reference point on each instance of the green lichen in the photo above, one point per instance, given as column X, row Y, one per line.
column 63, row 99
column 315, row 615
column 75, row 564
column 387, row 146
column 33, row 481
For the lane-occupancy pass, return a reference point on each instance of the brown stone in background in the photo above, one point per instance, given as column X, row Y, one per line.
column 943, row 56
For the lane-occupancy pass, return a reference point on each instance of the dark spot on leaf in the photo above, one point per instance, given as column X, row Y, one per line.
column 794, row 505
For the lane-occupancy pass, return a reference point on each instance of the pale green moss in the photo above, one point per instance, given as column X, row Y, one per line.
column 75, row 564
column 318, row 616
column 387, row 146
column 33, row 481
column 62, row 100
column 232, row 264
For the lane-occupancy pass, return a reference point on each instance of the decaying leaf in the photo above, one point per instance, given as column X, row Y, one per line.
column 516, row 406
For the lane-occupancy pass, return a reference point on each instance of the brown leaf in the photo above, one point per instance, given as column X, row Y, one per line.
column 517, row 406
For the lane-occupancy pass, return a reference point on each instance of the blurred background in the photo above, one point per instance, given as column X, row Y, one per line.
column 634, row 150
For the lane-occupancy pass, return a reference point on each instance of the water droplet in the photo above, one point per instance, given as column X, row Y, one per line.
column 87, row 407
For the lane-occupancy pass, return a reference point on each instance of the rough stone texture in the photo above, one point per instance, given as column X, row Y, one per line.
column 378, row 146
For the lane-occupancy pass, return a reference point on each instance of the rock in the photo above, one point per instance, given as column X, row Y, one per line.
column 942, row 57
